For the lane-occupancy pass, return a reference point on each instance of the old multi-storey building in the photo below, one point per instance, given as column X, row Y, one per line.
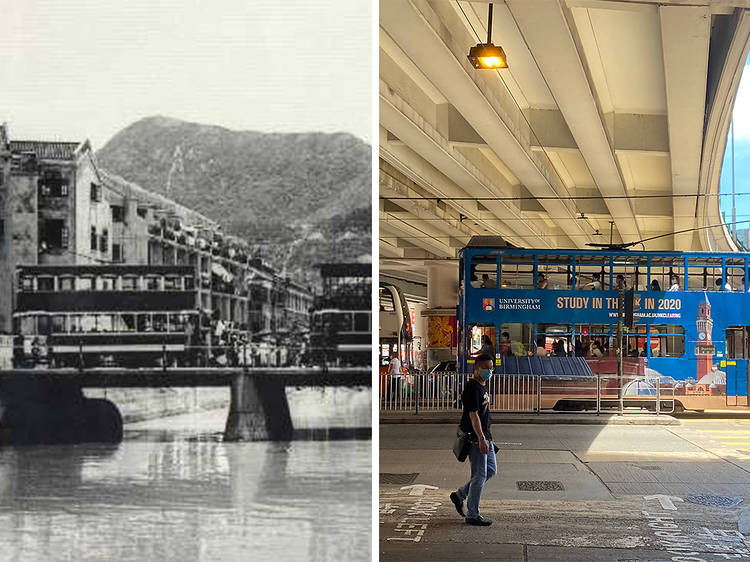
column 58, row 207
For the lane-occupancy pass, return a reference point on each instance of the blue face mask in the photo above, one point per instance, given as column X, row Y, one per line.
column 486, row 374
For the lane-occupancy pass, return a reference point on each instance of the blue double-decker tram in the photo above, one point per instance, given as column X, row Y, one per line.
column 691, row 318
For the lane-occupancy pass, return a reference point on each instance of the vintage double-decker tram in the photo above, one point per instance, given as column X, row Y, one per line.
column 105, row 315
column 341, row 316
column 692, row 320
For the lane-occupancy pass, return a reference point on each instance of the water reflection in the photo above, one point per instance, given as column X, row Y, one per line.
column 189, row 498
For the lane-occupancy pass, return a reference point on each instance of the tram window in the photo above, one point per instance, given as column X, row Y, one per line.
column 735, row 277
column 123, row 323
column 88, row 323
column 592, row 277
column 667, row 341
column 129, row 283
column 59, row 324
column 386, row 301
column 665, row 271
column 171, row 283
column 104, row 323
column 160, row 323
column 67, row 283
column 45, row 283
column 519, row 342
column 152, row 283
column 555, row 339
column 75, row 323
column 43, row 324
column 476, row 338
column 362, row 322
column 144, row 323
column 85, row 283
column 27, row 325
column 517, row 272
column 177, row 322
column 737, row 342
column 703, row 277
column 556, row 276
column 634, row 344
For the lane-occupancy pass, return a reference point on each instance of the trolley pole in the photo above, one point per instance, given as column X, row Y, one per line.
column 620, row 302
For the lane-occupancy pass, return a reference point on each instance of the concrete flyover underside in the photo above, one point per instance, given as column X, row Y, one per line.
column 610, row 111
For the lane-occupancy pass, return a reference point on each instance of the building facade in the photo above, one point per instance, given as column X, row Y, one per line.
column 58, row 207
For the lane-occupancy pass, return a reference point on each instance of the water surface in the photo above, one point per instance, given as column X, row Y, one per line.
column 172, row 491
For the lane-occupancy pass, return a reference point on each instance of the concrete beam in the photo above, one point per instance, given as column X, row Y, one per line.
column 686, row 33
column 420, row 33
column 546, row 30
column 455, row 128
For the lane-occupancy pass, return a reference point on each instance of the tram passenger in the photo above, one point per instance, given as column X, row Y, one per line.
column 596, row 349
column 595, row 283
column 620, row 281
column 727, row 286
column 655, row 285
column 486, row 283
column 488, row 348
column 674, row 283
column 474, row 282
column 505, row 344
column 541, row 281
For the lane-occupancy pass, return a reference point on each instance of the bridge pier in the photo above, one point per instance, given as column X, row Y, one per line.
column 35, row 412
column 259, row 410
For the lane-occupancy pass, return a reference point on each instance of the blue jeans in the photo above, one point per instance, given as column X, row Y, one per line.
column 483, row 467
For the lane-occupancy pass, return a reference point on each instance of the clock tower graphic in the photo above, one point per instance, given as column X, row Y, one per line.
column 705, row 324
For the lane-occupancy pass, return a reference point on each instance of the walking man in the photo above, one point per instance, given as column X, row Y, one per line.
column 476, row 422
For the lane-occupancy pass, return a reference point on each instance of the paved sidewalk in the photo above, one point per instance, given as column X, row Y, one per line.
column 616, row 493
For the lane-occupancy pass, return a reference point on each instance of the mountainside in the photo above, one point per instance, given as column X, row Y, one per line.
column 302, row 197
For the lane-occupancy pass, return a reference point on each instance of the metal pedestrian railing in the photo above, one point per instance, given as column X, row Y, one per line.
column 528, row 393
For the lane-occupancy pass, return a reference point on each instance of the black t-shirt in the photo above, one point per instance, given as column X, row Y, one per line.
column 476, row 399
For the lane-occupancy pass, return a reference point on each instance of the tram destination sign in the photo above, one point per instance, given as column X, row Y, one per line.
column 705, row 349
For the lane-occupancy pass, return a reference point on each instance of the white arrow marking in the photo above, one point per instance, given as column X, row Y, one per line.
column 418, row 489
column 665, row 501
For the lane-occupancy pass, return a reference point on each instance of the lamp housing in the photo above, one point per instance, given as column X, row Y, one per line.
column 486, row 56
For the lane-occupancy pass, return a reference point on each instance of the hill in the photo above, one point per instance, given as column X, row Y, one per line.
column 301, row 197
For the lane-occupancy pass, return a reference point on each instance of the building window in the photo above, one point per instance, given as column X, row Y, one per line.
column 129, row 283
column 67, row 283
column 118, row 213
column 85, row 283
column 117, row 254
column 53, row 184
column 45, row 284
column 54, row 234
column 96, row 192
column 104, row 241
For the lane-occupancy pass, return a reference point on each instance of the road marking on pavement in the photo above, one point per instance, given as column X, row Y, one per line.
column 667, row 502
column 412, row 525
column 418, row 489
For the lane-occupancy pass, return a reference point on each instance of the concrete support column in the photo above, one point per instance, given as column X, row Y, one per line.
column 420, row 336
column 259, row 410
column 442, row 297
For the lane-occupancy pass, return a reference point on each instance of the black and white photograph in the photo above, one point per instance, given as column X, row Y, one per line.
column 185, row 280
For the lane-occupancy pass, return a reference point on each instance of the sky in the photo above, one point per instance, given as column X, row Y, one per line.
column 741, row 123
column 79, row 69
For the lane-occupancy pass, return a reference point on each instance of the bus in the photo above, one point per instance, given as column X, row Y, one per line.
column 341, row 316
column 691, row 330
column 105, row 316
column 395, row 327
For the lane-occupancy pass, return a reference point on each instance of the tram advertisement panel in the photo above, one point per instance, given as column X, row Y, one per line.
column 703, row 365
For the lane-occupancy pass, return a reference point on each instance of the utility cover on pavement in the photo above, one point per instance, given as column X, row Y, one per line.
column 714, row 501
column 539, row 485
column 398, row 479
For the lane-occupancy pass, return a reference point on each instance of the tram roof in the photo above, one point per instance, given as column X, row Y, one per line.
column 490, row 243
column 106, row 269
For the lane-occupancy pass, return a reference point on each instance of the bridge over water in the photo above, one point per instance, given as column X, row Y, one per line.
column 48, row 405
